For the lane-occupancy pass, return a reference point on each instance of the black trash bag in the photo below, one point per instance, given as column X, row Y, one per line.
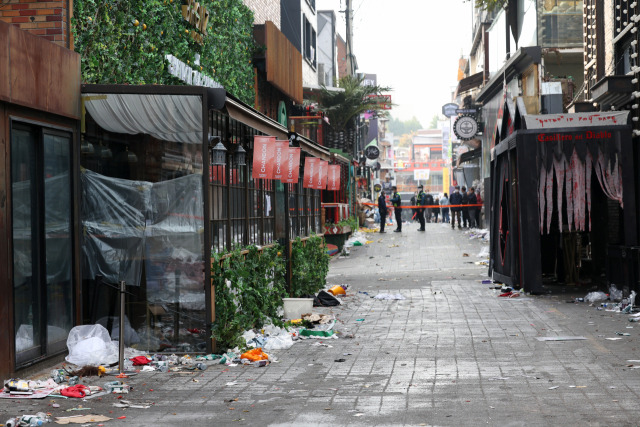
column 325, row 299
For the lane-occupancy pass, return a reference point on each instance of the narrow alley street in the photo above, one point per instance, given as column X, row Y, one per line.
column 451, row 354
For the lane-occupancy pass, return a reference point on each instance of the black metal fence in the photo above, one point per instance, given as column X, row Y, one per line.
column 243, row 210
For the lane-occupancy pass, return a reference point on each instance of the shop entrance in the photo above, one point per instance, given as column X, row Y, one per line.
column 42, row 240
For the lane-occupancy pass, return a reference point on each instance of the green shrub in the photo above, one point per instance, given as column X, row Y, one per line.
column 310, row 265
column 248, row 290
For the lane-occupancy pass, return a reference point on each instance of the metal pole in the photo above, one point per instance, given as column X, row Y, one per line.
column 121, row 338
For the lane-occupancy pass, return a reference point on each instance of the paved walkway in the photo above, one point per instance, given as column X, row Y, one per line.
column 451, row 354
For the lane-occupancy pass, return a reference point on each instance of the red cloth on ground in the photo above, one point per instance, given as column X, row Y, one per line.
column 140, row 360
column 77, row 390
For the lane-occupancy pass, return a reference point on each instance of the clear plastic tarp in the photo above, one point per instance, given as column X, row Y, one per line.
column 126, row 223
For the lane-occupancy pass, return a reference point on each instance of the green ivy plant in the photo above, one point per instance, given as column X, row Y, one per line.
column 310, row 265
column 248, row 290
column 125, row 42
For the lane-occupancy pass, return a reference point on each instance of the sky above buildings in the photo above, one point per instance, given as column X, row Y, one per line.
column 412, row 45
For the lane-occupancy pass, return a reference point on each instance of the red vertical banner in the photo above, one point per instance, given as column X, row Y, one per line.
column 310, row 172
column 292, row 165
column 334, row 178
column 321, row 182
column 280, row 152
column 263, row 156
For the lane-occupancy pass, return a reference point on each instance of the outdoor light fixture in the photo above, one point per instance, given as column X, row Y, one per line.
column 239, row 156
column 86, row 147
column 217, row 153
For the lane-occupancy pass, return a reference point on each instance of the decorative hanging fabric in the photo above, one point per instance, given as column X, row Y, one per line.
column 573, row 167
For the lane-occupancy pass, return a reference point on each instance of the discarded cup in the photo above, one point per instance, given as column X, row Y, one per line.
column 201, row 366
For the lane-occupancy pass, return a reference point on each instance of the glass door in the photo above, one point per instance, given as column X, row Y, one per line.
column 42, row 240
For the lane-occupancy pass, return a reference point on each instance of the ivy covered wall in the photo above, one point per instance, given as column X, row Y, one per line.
column 125, row 42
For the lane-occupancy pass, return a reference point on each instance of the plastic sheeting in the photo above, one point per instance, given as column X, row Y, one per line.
column 126, row 223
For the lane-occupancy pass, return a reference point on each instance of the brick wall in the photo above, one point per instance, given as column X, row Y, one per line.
column 47, row 19
column 342, row 57
column 264, row 10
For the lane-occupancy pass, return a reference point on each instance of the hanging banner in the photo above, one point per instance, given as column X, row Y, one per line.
column 263, row 157
column 292, row 165
column 321, row 180
column 334, row 178
column 280, row 149
column 310, row 172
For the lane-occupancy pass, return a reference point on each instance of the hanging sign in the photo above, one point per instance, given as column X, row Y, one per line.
column 465, row 127
column 263, row 157
column 280, row 150
column 310, row 172
column 321, row 180
column 292, row 165
column 334, row 178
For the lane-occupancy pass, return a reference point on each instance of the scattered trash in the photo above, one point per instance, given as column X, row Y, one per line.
column 255, row 355
column 465, row 255
column 568, row 338
column 613, row 339
column 554, row 387
column 359, row 320
column 624, row 334
column 307, row 333
column 337, row 290
column 325, row 299
column 91, row 345
column 509, row 294
column 593, row 297
column 340, row 360
column 389, row 296
column 128, row 404
column 615, row 294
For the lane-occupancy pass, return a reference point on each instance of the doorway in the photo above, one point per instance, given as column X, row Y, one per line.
column 42, row 240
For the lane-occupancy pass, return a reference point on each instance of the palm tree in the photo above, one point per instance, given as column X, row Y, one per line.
column 342, row 107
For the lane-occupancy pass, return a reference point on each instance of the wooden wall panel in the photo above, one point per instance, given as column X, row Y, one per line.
column 284, row 63
column 4, row 62
column 43, row 75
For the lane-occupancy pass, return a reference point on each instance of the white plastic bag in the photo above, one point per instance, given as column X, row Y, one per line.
column 279, row 342
column 593, row 297
column 91, row 345
column 614, row 293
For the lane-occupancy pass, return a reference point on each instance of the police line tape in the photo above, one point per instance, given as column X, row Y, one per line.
column 427, row 206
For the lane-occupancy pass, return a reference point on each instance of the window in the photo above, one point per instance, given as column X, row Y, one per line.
column 309, row 37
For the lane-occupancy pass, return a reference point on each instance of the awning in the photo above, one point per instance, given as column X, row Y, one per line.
column 469, row 155
column 470, row 82
column 518, row 62
column 613, row 91
column 166, row 117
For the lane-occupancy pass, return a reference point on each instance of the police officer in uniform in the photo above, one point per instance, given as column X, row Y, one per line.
column 422, row 201
column 382, row 208
column 396, row 201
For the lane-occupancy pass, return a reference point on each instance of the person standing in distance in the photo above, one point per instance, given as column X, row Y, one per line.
column 473, row 211
column 422, row 201
column 397, row 202
column 455, row 199
column 382, row 208
column 444, row 203
column 465, row 210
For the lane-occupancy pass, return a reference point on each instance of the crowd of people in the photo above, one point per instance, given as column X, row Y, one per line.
column 450, row 210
